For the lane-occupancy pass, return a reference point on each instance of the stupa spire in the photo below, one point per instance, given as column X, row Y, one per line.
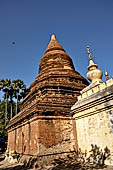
column 91, row 66
column 53, row 37
column 94, row 74
column 89, row 52
column 54, row 44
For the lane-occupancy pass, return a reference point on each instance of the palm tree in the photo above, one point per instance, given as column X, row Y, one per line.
column 18, row 86
column 3, row 131
column 11, row 95
column 4, row 86
column 24, row 93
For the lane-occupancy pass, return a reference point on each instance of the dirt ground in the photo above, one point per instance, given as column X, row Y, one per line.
column 4, row 165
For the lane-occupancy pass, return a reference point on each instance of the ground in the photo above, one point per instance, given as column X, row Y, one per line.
column 4, row 165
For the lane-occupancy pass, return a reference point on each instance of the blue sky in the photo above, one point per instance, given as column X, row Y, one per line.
column 76, row 23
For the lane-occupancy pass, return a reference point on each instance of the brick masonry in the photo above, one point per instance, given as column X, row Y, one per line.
column 43, row 136
column 43, row 125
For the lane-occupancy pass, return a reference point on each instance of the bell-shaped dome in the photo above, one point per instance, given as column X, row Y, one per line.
column 94, row 74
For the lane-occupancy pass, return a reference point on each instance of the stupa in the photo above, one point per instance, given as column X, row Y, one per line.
column 94, row 111
column 44, row 118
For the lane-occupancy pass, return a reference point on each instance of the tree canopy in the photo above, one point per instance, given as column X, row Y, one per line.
column 13, row 92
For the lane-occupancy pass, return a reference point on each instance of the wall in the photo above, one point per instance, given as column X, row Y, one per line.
column 43, row 135
column 93, row 114
column 94, row 129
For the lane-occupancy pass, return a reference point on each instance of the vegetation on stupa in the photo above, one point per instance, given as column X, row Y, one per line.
column 13, row 92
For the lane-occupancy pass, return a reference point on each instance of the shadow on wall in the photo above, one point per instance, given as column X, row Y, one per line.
column 110, row 114
column 95, row 156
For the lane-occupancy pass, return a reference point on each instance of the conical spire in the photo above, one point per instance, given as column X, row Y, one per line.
column 54, row 44
column 55, row 57
column 53, row 37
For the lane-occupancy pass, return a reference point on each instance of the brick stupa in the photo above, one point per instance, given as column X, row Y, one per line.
column 43, row 125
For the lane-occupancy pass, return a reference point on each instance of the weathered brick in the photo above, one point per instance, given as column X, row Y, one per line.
column 51, row 96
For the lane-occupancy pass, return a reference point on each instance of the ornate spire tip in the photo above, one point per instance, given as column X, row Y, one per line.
column 89, row 52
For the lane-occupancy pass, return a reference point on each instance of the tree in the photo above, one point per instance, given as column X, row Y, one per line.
column 11, row 89
column 4, row 86
column 24, row 93
column 3, row 132
column 11, row 95
column 19, row 87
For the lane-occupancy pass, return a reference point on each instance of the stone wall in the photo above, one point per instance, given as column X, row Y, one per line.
column 94, row 129
column 43, row 135
column 93, row 114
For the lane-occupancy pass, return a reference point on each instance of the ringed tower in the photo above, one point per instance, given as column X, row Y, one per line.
column 41, row 124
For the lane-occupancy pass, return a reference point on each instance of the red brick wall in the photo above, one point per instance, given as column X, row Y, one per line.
column 49, row 133
column 44, row 135
column 34, row 138
column 55, row 136
column 11, row 141
column 25, row 139
column 19, row 140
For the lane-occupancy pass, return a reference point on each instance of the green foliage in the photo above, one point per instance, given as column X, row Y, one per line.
column 3, row 132
column 15, row 89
